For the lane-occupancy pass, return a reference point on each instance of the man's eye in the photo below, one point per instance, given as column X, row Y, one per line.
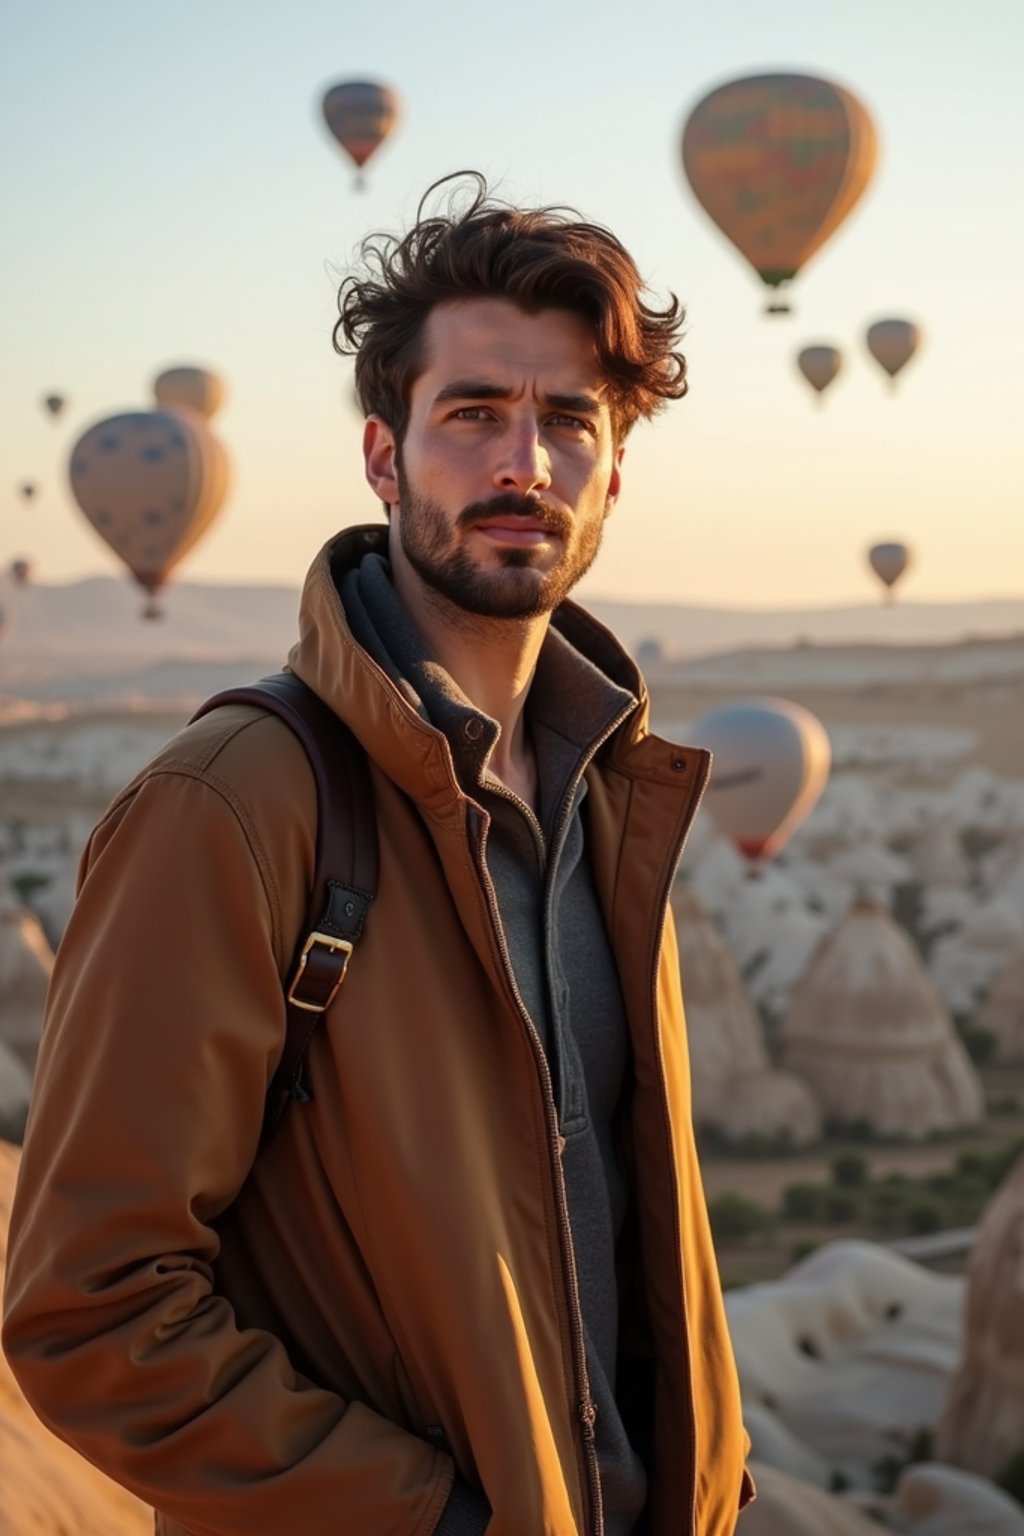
column 469, row 413
column 562, row 419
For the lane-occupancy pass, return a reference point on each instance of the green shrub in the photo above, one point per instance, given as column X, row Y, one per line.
column 733, row 1216
column 805, row 1202
column 850, row 1170
column 924, row 1216
column 843, row 1204
column 979, row 1043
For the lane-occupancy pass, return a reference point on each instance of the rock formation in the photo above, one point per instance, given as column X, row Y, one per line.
column 868, row 1030
column 982, row 1427
column 848, row 1356
column 735, row 1092
column 47, row 1488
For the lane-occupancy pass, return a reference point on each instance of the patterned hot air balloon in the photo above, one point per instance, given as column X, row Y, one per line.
column 892, row 343
column 771, row 763
column 778, row 161
column 150, row 483
column 54, row 404
column 819, row 366
column 27, row 490
column 200, row 389
column 888, row 561
column 21, row 572
column 360, row 114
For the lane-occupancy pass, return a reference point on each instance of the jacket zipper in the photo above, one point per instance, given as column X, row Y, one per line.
column 585, row 1410
column 663, row 899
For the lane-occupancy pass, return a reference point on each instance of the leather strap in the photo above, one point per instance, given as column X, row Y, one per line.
column 345, row 873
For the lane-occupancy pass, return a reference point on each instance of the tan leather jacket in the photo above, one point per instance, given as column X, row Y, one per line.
column 313, row 1341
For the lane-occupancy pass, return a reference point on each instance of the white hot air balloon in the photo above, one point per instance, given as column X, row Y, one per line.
column 888, row 561
column 771, row 763
column 892, row 343
column 819, row 366
column 200, row 389
column 150, row 483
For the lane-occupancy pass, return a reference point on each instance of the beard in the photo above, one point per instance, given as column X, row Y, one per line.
column 514, row 589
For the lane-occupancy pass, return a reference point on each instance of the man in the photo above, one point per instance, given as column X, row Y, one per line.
column 469, row 1284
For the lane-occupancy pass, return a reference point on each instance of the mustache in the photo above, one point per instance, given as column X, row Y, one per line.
column 553, row 519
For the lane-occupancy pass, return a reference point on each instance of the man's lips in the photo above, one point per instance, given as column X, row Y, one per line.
column 516, row 530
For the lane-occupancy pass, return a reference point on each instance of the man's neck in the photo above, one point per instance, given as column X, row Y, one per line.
column 493, row 662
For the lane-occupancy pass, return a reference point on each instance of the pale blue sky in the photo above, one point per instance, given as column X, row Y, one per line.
column 172, row 196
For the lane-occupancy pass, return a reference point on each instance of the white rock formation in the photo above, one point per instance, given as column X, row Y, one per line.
column 932, row 1500
column 982, row 1426
column 868, row 1030
column 771, row 930
column 769, row 1106
column 966, row 962
column 734, row 1090
column 786, row 1506
column 1002, row 1012
column 26, row 961
column 849, row 1355
column 937, row 857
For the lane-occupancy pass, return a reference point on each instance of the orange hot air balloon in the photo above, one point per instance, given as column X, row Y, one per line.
column 819, row 366
column 771, row 763
column 150, row 483
column 778, row 161
column 361, row 115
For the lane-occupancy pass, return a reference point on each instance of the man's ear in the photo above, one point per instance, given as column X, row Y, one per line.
column 614, row 482
column 379, row 454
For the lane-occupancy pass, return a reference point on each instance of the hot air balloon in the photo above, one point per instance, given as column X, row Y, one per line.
column 54, row 404
column 21, row 572
column 892, row 343
column 199, row 389
column 27, row 490
column 778, row 161
column 771, row 763
column 819, row 366
column 150, row 483
column 360, row 114
column 889, row 561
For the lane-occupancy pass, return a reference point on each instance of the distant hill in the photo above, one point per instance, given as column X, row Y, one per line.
column 86, row 640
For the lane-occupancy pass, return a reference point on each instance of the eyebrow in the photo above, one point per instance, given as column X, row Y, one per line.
column 476, row 389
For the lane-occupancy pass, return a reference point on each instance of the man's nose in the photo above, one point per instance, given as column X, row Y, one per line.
column 524, row 465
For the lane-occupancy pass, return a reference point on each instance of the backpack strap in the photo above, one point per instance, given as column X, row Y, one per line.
column 345, row 868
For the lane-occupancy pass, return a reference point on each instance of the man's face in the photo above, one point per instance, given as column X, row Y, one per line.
column 508, row 469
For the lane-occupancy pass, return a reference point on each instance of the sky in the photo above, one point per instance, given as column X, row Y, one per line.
column 172, row 196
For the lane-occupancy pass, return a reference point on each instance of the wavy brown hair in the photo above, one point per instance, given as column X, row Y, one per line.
column 538, row 258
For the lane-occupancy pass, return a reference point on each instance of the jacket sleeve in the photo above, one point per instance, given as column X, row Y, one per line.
column 164, row 1023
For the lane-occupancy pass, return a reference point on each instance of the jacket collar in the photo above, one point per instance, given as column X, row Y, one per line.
column 408, row 749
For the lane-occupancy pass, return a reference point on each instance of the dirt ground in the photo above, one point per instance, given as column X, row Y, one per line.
column 765, row 1179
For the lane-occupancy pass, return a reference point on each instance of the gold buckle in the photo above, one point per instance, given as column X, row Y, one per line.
column 329, row 941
